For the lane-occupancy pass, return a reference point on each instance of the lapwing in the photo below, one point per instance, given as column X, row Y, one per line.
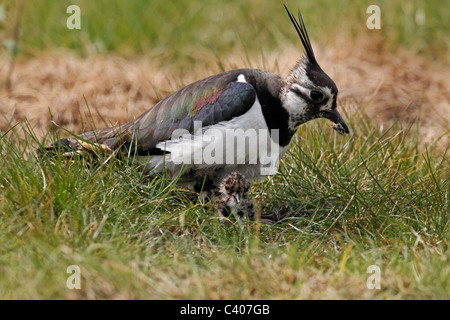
column 231, row 198
column 240, row 120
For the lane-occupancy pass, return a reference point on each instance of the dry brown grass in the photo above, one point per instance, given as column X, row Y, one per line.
column 371, row 78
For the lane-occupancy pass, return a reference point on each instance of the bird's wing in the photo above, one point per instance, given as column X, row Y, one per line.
column 211, row 100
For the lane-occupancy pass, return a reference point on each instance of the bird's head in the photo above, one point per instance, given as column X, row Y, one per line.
column 309, row 93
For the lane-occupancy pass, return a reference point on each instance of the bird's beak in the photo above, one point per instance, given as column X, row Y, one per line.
column 340, row 125
column 237, row 197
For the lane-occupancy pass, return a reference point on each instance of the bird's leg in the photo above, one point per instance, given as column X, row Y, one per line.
column 274, row 217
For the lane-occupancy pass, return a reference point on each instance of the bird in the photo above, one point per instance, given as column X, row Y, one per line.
column 231, row 198
column 239, row 120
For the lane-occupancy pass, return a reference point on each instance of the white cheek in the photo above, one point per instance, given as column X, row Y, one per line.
column 293, row 104
column 329, row 96
column 328, row 106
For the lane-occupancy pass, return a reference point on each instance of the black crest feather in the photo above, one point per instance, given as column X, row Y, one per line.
column 303, row 34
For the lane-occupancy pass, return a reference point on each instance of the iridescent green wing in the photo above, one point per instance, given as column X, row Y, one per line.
column 211, row 100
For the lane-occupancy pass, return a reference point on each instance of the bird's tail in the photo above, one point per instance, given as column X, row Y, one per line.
column 103, row 140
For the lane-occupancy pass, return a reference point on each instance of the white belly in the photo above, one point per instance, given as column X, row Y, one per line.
column 242, row 144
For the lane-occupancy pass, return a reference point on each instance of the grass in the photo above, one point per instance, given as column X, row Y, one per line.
column 180, row 31
column 371, row 199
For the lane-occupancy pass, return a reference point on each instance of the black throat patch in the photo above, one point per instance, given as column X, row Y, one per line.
column 268, row 87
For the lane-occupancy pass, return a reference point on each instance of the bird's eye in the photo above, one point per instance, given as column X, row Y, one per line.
column 316, row 96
